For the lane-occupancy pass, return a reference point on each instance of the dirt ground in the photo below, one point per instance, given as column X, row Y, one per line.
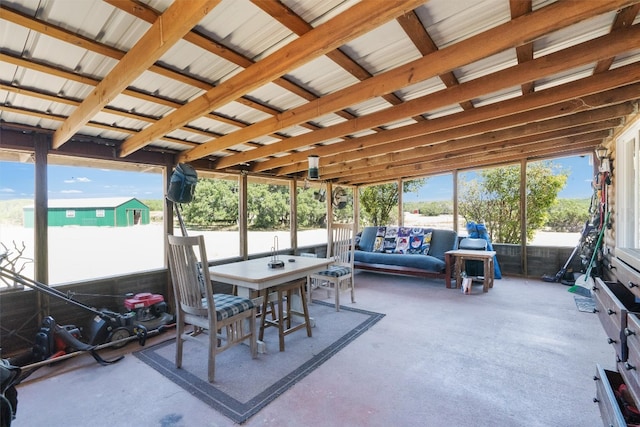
column 79, row 253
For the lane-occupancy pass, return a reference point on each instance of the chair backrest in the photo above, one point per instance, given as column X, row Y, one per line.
column 471, row 243
column 191, row 282
column 342, row 243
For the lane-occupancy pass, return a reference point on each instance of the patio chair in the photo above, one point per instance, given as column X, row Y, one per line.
column 224, row 317
column 338, row 277
column 472, row 267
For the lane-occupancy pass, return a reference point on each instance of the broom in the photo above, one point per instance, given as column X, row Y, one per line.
column 584, row 283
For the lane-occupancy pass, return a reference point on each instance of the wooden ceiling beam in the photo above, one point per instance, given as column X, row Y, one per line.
column 577, row 93
column 149, row 15
column 463, row 147
column 208, row 44
column 414, row 148
column 397, row 140
column 414, row 29
column 624, row 18
column 287, row 17
column 479, row 161
column 513, row 33
column 177, row 20
column 556, row 62
column 354, row 22
column 96, row 125
column 524, row 52
column 75, row 77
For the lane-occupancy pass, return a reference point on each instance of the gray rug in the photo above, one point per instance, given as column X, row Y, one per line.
column 243, row 386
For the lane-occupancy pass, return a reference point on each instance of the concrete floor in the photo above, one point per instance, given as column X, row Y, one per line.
column 520, row 355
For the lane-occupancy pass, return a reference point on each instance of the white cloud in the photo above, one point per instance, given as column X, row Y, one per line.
column 79, row 179
column 71, row 191
column 7, row 190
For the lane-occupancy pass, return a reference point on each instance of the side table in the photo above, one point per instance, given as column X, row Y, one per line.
column 459, row 256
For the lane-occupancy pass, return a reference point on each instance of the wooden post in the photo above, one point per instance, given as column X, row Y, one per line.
column 242, row 215
column 41, row 222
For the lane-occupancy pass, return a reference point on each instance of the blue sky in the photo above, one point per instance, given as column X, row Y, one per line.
column 578, row 184
column 70, row 182
column 66, row 182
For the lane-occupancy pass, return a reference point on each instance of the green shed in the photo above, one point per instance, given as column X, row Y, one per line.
column 106, row 212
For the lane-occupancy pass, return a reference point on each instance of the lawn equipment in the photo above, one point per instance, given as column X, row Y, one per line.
column 146, row 311
column 560, row 275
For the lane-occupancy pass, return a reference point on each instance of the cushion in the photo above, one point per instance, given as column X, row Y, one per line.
column 335, row 271
column 378, row 245
column 390, row 239
column 402, row 240
column 426, row 243
column 367, row 239
column 415, row 241
column 441, row 242
column 230, row 305
column 424, row 262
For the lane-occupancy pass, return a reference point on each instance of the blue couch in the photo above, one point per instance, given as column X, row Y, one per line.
column 405, row 250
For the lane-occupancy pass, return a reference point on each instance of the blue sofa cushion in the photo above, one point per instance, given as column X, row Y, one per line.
column 441, row 242
column 367, row 238
column 424, row 262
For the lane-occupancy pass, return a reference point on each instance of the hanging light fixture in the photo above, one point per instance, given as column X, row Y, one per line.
column 601, row 152
column 602, row 155
column 314, row 164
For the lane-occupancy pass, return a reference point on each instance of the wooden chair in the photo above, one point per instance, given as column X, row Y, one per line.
column 338, row 277
column 224, row 317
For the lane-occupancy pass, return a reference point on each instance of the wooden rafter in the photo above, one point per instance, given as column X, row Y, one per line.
column 177, row 20
column 584, row 53
column 360, row 18
column 497, row 39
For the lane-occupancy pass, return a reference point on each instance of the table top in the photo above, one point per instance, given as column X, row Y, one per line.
column 256, row 274
column 471, row 252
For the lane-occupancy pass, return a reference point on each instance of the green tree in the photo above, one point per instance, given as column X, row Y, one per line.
column 377, row 201
column 311, row 213
column 568, row 215
column 495, row 199
column 213, row 200
column 268, row 206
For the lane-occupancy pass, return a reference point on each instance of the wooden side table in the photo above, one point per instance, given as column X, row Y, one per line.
column 459, row 256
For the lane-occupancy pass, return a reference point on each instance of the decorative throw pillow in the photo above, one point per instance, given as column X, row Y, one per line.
column 402, row 245
column 426, row 242
column 390, row 239
column 416, row 238
column 402, row 240
column 378, row 244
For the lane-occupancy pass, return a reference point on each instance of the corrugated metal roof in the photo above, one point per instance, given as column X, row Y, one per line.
column 106, row 202
column 56, row 52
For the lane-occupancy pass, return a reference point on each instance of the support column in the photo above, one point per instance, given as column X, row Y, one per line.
column 243, row 215
column 293, row 214
column 523, row 216
column 41, row 222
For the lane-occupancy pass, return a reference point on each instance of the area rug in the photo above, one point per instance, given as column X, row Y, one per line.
column 243, row 386
column 586, row 304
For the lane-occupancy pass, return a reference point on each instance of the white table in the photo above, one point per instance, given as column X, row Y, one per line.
column 254, row 277
column 255, row 274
